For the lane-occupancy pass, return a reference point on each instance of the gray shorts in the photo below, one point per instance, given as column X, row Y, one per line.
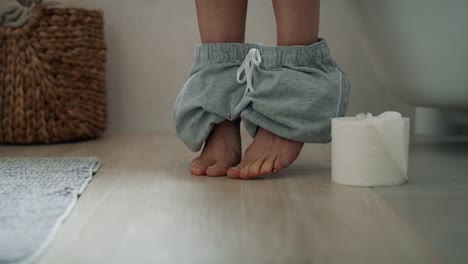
column 291, row 91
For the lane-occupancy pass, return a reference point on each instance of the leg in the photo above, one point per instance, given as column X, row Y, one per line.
column 220, row 21
column 297, row 24
column 297, row 21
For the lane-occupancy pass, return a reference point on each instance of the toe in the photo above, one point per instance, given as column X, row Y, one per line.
column 196, row 162
column 216, row 170
column 196, row 171
column 196, row 168
column 254, row 170
column 244, row 173
column 278, row 165
column 200, row 165
column 234, row 172
column 267, row 166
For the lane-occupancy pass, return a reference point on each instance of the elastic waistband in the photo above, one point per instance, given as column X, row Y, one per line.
column 272, row 56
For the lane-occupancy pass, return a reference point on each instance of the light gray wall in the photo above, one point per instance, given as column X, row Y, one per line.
column 151, row 45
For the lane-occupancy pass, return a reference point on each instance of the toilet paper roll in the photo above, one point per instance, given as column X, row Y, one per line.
column 370, row 150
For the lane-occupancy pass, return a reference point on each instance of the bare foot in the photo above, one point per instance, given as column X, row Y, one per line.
column 221, row 151
column 267, row 154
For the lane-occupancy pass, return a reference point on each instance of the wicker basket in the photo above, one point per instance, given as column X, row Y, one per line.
column 52, row 77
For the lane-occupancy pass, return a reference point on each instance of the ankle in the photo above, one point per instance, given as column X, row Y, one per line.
column 229, row 123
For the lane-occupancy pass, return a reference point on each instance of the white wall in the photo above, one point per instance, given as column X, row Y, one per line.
column 151, row 43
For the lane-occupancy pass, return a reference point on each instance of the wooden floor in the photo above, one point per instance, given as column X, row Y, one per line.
column 435, row 201
column 143, row 206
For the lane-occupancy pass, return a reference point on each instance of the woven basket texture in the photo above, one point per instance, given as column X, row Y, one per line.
column 52, row 77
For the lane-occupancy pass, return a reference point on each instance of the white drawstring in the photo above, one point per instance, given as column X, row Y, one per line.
column 247, row 67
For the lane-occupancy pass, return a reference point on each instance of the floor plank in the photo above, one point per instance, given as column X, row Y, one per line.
column 435, row 200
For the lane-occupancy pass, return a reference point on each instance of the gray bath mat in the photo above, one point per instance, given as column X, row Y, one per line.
column 36, row 195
